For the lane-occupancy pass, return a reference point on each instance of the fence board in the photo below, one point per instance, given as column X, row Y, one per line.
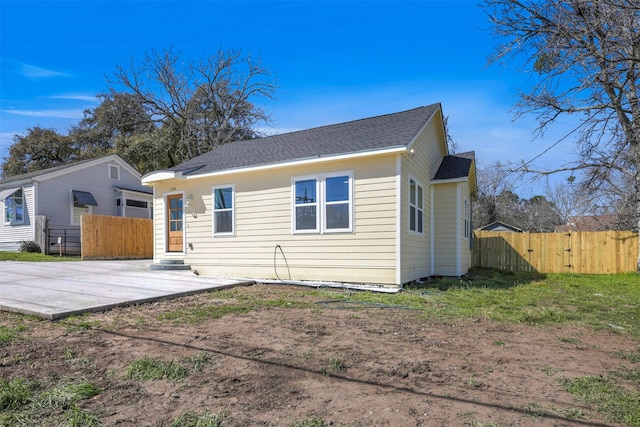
column 112, row 237
column 598, row 252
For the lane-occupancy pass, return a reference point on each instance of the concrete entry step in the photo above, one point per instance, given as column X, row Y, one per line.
column 170, row 264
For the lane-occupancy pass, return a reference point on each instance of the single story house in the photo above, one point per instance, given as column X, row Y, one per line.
column 106, row 186
column 500, row 226
column 376, row 201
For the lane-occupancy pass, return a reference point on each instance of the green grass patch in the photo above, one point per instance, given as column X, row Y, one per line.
column 10, row 333
column 310, row 422
column 598, row 301
column 34, row 256
column 147, row 368
column 228, row 302
column 52, row 402
column 615, row 402
column 194, row 419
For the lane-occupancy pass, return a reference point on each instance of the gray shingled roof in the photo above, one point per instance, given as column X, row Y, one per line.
column 455, row 166
column 359, row 136
column 40, row 172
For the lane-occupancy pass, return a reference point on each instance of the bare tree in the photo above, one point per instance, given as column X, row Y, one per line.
column 199, row 105
column 587, row 57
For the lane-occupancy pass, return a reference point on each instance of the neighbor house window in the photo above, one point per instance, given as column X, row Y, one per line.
column 82, row 203
column 467, row 219
column 323, row 199
column 114, row 172
column 416, row 209
column 223, row 210
column 14, row 207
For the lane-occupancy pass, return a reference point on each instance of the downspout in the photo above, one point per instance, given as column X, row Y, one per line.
column 399, row 219
column 458, row 229
column 432, row 231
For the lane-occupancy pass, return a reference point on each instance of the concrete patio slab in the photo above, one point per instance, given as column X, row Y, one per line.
column 54, row 290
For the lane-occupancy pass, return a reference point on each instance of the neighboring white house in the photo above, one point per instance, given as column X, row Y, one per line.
column 106, row 186
column 377, row 200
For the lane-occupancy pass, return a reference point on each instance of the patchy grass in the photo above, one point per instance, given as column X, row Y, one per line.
column 611, row 399
column 10, row 333
column 194, row 419
column 147, row 368
column 34, row 256
column 53, row 402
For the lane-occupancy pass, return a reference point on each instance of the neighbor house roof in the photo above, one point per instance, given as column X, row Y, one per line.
column 391, row 131
column 500, row 226
column 44, row 174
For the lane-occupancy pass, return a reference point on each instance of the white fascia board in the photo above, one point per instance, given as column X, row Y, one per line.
column 448, row 181
column 314, row 160
column 152, row 177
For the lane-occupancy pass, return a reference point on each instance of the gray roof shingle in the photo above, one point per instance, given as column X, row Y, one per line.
column 455, row 166
column 359, row 136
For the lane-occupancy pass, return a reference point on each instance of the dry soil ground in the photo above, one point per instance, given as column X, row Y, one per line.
column 351, row 367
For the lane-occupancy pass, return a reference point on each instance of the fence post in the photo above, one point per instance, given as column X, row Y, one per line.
column 42, row 233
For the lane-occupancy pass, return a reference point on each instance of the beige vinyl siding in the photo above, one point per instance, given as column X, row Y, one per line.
column 446, row 229
column 263, row 220
column 16, row 233
column 428, row 150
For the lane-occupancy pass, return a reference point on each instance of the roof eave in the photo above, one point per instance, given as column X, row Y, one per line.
column 297, row 162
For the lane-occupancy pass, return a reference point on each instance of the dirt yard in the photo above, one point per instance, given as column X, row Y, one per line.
column 346, row 367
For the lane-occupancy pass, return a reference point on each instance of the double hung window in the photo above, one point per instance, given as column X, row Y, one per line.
column 14, row 207
column 416, row 207
column 223, row 210
column 323, row 203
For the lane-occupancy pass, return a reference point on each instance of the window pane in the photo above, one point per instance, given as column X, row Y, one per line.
column 306, row 218
column 224, row 222
column 419, row 229
column 412, row 192
column 338, row 216
column 412, row 218
column 306, row 192
column 176, row 214
column 176, row 203
column 337, row 188
column 224, row 198
column 419, row 204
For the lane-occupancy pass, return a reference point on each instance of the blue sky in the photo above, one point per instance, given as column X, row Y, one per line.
column 334, row 61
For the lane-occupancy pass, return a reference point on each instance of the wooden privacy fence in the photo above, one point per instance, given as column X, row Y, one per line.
column 113, row 237
column 598, row 252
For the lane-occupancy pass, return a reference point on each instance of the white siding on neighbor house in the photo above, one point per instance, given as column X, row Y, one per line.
column 263, row 226
column 465, row 242
column 446, row 229
column 12, row 235
column 55, row 199
column 428, row 152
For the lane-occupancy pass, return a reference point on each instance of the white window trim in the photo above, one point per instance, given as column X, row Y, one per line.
column 321, row 203
column 214, row 210
column 5, row 207
column 409, row 205
column 117, row 168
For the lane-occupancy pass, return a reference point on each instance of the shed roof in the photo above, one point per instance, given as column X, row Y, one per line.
column 455, row 166
column 388, row 131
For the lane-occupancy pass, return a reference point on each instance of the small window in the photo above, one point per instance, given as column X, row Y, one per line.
column 306, row 205
column 223, row 210
column 14, row 207
column 467, row 219
column 114, row 172
column 416, row 207
column 136, row 203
